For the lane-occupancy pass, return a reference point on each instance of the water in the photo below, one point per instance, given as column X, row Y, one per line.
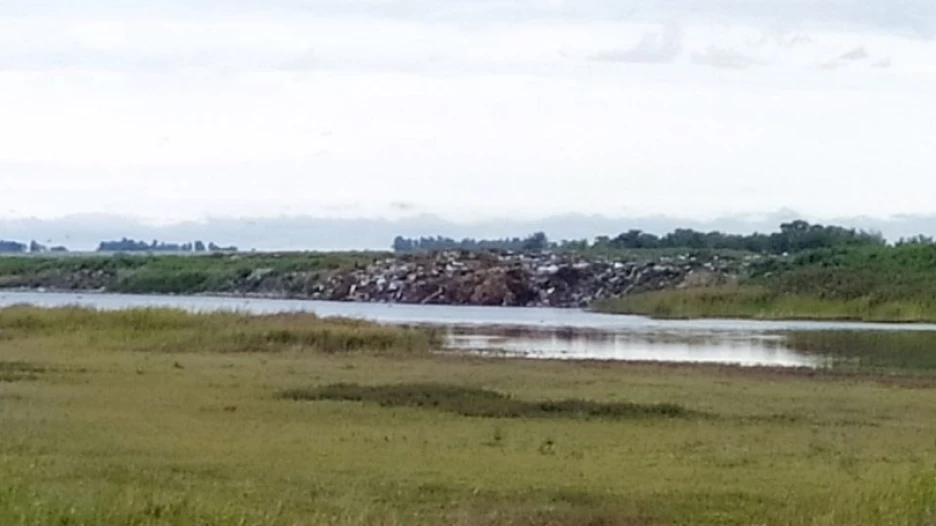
column 537, row 332
column 742, row 349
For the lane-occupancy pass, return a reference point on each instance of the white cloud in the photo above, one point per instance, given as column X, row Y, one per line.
column 724, row 58
column 181, row 110
column 653, row 47
column 858, row 53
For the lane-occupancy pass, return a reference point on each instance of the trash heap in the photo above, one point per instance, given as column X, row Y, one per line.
column 517, row 279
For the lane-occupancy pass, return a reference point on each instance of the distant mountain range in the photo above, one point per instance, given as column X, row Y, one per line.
column 85, row 232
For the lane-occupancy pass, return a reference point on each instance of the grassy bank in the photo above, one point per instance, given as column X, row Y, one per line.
column 879, row 283
column 170, row 330
column 102, row 425
column 761, row 302
column 177, row 274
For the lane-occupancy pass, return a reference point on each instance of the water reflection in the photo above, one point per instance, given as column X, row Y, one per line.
column 473, row 317
column 878, row 351
column 728, row 348
column 576, row 334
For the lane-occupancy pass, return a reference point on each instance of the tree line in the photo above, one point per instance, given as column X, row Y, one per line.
column 792, row 237
column 121, row 245
column 15, row 247
column 132, row 245
column 532, row 243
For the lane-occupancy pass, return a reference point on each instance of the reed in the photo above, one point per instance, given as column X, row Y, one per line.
column 172, row 330
column 760, row 302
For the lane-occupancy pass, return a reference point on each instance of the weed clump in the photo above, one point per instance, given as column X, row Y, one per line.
column 19, row 371
column 476, row 402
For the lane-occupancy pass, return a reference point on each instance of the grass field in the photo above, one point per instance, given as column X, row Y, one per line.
column 104, row 423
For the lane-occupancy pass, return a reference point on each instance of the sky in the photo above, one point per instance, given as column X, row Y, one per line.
column 171, row 111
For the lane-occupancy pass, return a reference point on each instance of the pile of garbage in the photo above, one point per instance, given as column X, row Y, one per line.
column 517, row 279
column 448, row 278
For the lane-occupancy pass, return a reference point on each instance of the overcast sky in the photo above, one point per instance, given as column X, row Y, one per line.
column 174, row 110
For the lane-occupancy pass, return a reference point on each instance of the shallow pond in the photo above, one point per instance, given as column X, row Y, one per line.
column 577, row 334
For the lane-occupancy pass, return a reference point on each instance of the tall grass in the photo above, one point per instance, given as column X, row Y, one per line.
column 760, row 302
column 870, row 283
column 160, row 329
column 880, row 274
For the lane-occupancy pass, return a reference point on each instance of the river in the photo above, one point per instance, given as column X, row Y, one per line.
column 530, row 332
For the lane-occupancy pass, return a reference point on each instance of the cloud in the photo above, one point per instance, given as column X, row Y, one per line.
column 858, row 53
column 854, row 55
column 403, row 206
column 798, row 40
column 914, row 15
column 304, row 61
column 340, row 207
column 724, row 58
column 653, row 48
column 246, row 99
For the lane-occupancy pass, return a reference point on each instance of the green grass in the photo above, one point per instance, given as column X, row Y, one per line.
column 658, row 253
column 118, row 430
column 877, row 275
column 288, row 273
column 760, row 302
column 165, row 330
column 19, row 371
column 869, row 283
